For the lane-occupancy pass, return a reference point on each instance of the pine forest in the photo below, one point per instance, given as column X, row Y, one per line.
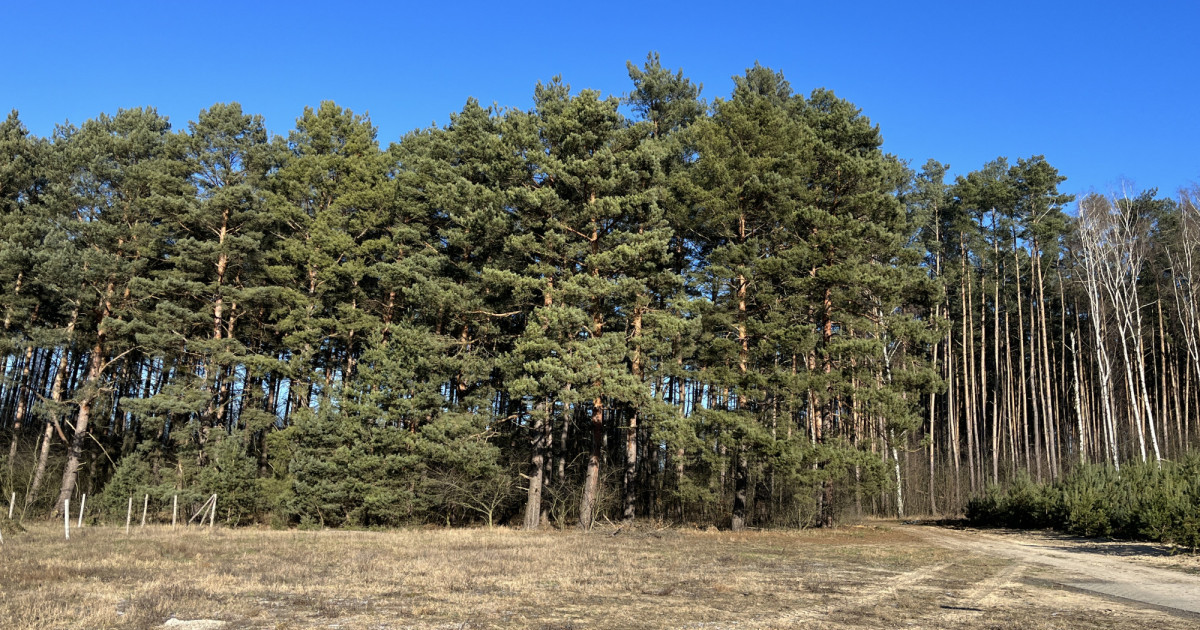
column 737, row 312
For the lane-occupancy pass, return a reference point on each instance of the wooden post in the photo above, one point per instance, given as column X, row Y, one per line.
column 174, row 509
column 145, row 504
column 202, row 512
column 11, row 502
column 212, row 516
column 67, row 519
column 128, row 514
column 82, row 504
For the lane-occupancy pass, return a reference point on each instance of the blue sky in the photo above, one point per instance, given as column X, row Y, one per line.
column 1104, row 90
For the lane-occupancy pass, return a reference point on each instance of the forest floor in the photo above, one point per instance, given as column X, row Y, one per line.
column 883, row 575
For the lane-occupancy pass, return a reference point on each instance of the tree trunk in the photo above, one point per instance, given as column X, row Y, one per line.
column 533, row 500
column 75, row 450
column 591, row 482
column 52, row 423
column 19, row 417
column 631, row 434
column 592, row 479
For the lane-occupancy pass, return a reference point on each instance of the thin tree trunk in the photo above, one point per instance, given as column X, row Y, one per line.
column 631, row 435
column 968, row 368
column 592, row 480
column 996, row 353
column 1047, row 366
column 19, row 417
column 52, row 423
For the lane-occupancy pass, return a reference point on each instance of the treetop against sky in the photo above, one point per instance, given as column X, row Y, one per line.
column 745, row 312
column 1103, row 89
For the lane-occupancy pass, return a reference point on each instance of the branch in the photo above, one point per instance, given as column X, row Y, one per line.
column 490, row 314
column 573, row 230
column 110, row 459
column 115, row 359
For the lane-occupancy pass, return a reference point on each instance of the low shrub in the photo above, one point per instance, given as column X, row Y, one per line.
column 1155, row 502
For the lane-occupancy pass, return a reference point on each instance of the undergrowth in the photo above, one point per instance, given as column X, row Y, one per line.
column 1152, row 502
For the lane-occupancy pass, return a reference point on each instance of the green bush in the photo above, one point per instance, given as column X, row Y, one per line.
column 1023, row 504
column 1141, row 502
column 163, row 475
column 1085, row 503
column 232, row 475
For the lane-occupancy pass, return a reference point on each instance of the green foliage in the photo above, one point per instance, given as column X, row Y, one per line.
column 232, row 475
column 1023, row 504
column 694, row 308
column 389, row 453
column 1141, row 502
column 132, row 477
column 150, row 471
column 342, row 474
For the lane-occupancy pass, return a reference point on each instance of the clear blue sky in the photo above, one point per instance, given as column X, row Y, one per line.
column 1106, row 90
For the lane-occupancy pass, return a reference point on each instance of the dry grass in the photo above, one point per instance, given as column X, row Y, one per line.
column 855, row 577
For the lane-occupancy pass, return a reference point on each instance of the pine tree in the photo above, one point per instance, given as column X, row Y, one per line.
column 660, row 333
column 872, row 298
column 127, row 183
column 23, row 178
column 24, row 164
column 212, row 277
column 331, row 196
column 749, row 179
column 579, row 244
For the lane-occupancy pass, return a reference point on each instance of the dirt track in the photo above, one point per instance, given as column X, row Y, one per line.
column 1124, row 570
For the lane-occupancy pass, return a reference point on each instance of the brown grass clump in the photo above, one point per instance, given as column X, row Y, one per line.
column 498, row 578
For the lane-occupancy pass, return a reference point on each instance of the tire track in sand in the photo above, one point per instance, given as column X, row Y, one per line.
column 1085, row 569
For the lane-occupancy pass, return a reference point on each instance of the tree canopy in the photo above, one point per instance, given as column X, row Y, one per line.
column 740, row 311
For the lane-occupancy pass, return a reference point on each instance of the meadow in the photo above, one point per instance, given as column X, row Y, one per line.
column 646, row 577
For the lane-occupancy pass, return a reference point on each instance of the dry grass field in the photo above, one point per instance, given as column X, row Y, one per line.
column 857, row 577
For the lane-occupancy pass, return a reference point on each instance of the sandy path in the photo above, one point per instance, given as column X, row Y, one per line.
column 1091, row 567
